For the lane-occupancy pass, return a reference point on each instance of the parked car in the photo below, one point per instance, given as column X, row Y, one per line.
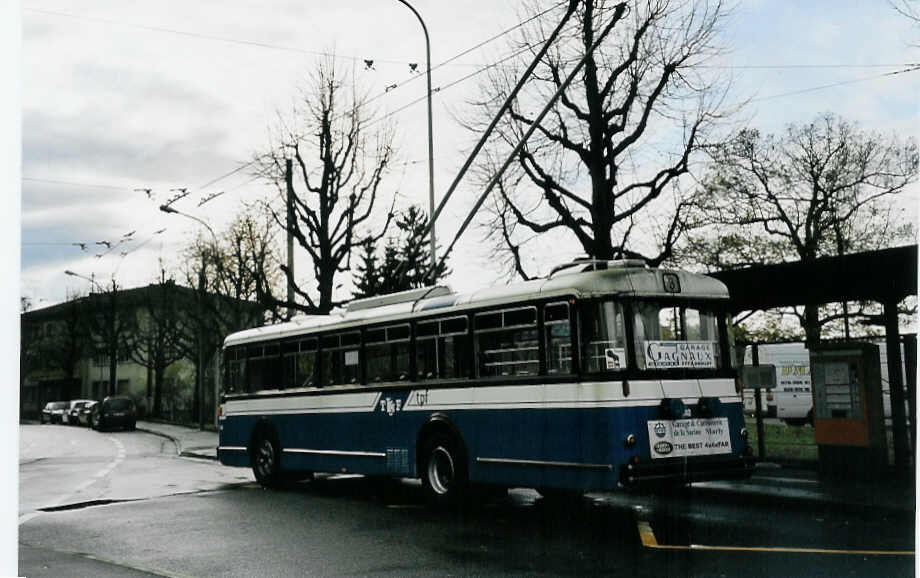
column 70, row 415
column 116, row 411
column 54, row 411
column 86, row 413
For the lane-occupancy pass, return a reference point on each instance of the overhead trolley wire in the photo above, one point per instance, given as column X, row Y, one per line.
column 267, row 45
column 911, row 68
column 439, row 65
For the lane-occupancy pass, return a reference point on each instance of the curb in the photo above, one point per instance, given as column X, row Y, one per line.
column 190, row 453
column 175, row 441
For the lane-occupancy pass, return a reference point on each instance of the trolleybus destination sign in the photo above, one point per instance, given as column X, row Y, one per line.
column 667, row 354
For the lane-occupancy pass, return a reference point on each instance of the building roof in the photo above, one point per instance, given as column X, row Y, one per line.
column 133, row 297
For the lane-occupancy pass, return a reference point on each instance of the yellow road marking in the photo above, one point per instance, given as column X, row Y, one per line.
column 647, row 535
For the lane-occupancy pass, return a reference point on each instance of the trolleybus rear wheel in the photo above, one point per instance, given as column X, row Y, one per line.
column 443, row 472
column 266, row 460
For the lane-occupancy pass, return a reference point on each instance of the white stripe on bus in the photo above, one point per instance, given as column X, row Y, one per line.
column 546, row 396
column 335, row 452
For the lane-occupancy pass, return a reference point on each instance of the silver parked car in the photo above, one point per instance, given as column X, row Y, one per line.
column 53, row 412
column 72, row 415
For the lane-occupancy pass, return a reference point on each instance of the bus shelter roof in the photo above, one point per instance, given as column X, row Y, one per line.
column 885, row 276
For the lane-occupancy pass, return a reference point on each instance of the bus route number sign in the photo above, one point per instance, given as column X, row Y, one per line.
column 689, row 437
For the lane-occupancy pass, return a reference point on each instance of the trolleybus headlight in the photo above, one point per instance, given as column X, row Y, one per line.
column 672, row 408
column 630, row 440
column 744, row 434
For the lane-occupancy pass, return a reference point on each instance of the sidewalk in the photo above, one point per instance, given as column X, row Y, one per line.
column 190, row 441
column 777, row 484
column 770, row 482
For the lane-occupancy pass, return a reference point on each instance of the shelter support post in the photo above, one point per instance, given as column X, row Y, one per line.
column 758, row 407
column 896, row 386
column 910, row 365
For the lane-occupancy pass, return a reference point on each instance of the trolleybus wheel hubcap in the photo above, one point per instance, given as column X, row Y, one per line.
column 440, row 470
column 265, row 461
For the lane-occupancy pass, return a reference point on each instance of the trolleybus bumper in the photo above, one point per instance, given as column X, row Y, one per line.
column 686, row 470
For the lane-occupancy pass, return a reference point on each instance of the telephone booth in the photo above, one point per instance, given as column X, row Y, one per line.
column 849, row 417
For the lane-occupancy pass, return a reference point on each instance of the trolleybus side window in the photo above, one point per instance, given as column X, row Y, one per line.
column 558, row 331
column 299, row 363
column 235, row 361
column 386, row 351
column 507, row 342
column 341, row 358
column 603, row 337
column 263, row 366
column 442, row 349
column 673, row 336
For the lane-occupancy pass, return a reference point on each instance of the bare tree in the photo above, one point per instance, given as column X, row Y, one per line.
column 157, row 339
column 823, row 188
column 112, row 324
column 603, row 166
column 246, row 269
column 339, row 165
column 235, row 278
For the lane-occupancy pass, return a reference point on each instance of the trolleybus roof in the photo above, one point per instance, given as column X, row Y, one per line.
column 591, row 279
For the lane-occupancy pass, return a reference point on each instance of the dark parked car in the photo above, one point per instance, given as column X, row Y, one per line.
column 86, row 414
column 54, row 411
column 114, row 412
column 72, row 413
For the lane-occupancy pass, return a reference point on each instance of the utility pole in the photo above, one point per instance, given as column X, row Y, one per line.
column 289, row 180
column 114, row 332
column 199, row 372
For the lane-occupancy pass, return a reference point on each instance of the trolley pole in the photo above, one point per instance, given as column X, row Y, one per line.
column 289, row 180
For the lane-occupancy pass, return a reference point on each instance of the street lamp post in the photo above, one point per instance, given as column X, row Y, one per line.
column 92, row 279
column 201, row 287
column 430, row 138
column 110, row 330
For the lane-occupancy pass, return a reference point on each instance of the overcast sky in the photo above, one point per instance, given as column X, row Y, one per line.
column 169, row 94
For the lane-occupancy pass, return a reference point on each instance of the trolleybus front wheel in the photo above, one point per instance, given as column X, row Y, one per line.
column 443, row 470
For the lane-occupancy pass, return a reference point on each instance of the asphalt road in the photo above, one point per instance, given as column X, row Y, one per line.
column 187, row 517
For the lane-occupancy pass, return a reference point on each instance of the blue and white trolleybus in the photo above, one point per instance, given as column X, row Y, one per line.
column 603, row 375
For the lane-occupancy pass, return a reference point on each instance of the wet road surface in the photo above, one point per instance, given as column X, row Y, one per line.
column 196, row 518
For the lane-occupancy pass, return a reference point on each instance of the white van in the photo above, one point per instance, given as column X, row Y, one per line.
column 791, row 399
